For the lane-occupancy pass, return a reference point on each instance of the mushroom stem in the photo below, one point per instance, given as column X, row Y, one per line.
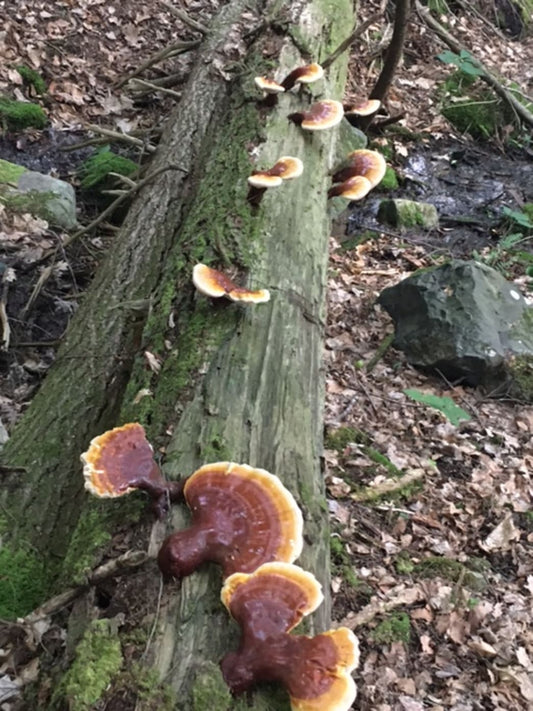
column 297, row 117
column 255, row 195
column 185, row 551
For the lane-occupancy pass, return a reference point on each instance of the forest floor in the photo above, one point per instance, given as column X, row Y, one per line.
column 432, row 524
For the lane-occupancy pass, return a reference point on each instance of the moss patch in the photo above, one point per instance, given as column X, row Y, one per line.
column 210, row 691
column 98, row 660
column 396, row 628
column 10, row 172
column 95, row 170
column 32, row 78
column 341, row 562
column 390, row 180
column 32, row 201
column 17, row 115
column 23, row 582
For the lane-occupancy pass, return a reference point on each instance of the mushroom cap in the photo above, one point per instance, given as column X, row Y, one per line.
column 269, row 86
column 273, row 599
column 213, row 283
column 309, row 73
column 251, row 517
column 370, row 164
column 328, row 686
column 352, row 189
column 285, row 168
column 365, row 107
column 118, row 461
column 319, row 116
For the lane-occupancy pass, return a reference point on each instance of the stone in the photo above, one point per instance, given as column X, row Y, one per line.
column 41, row 195
column 408, row 213
column 465, row 320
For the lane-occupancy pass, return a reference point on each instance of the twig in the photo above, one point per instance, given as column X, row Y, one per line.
column 124, row 563
column 397, row 597
column 154, row 87
column 118, row 136
column 378, row 355
column 170, row 51
column 184, row 17
column 519, row 109
column 156, row 618
column 345, row 44
column 41, row 281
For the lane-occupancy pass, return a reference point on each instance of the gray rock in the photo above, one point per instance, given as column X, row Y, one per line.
column 408, row 213
column 467, row 321
column 41, row 195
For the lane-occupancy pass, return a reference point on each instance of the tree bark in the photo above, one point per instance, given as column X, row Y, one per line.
column 239, row 384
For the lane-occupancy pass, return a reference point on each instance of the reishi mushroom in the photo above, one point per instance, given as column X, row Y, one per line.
column 120, row 461
column 370, row 164
column 319, row 116
column 355, row 188
column 365, row 107
column 285, row 168
column 269, row 86
column 303, row 75
column 242, row 517
column 267, row 604
column 213, row 283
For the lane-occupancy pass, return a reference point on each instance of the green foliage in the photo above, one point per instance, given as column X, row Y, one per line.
column 17, row 115
column 341, row 438
column 341, row 562
column 97, row 167
column 521, row 218
column 404, row 565
column 446, row 405
column 390, row 180
column 98, row 660
column 32, row 78
column 396, row 628
column 463, row 61
column 23, row 582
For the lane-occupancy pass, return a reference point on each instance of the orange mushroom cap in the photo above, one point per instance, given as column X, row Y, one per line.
column 213, row 283
column 269, row 86
column 267, row 604
column 303, row 75
column 352, row 189
column 323, row 114
column 370, row 164
column 285, row 168
column 121, row 460
column 241, row 517
column 365, row 107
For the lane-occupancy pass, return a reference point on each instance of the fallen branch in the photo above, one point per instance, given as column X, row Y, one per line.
column 397, row 597
column 185, row 18
column 4, row 321
column 345, row 44
column 389, row 486
column 151, row 87
column 489, row 78
column 170, row 51
column 118, row 566
column 382, row 349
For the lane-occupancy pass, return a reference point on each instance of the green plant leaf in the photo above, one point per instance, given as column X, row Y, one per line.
column 519, row 217
column 449, row 58
column 446, row 405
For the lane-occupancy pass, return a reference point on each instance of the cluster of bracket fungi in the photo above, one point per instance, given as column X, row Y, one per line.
column 243, row 518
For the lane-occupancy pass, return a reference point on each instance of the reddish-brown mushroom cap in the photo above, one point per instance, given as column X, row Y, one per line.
column 365, row 107
column 285, row 168
column 303, row 75
column 369, row 164
column 355, row 188
column 242, row 517
column 213, row 283
column 269, row 86
column 315, row 670
column 121, row 460
column 322, row 115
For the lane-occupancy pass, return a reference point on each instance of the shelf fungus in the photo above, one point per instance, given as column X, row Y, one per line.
column 355, row 188
column 370, row 164
column 285, row 168
column 319, row 116
column 215, row 284
column 241, row 518
column 269, row 86
column 303, row 75
column 267, row 605
column 120, row 461
column 365, row 107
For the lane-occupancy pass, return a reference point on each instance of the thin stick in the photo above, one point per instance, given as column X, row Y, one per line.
column 166, row 53
column 519, row 109
column 399, row 596
column 154, row 87
column 389, row 486
column 4, row 321
column 378, row 355
column 184, row 17
column 117, row 136
column 345, row 44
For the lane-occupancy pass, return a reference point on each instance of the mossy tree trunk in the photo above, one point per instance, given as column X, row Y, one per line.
column 236, row 383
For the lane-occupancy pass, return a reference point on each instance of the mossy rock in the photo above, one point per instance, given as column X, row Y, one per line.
column 18, row 115
column 408, row 213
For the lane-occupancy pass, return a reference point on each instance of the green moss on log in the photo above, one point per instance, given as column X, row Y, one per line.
column 23, row 581
column 97, row 167
column 98, row 660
